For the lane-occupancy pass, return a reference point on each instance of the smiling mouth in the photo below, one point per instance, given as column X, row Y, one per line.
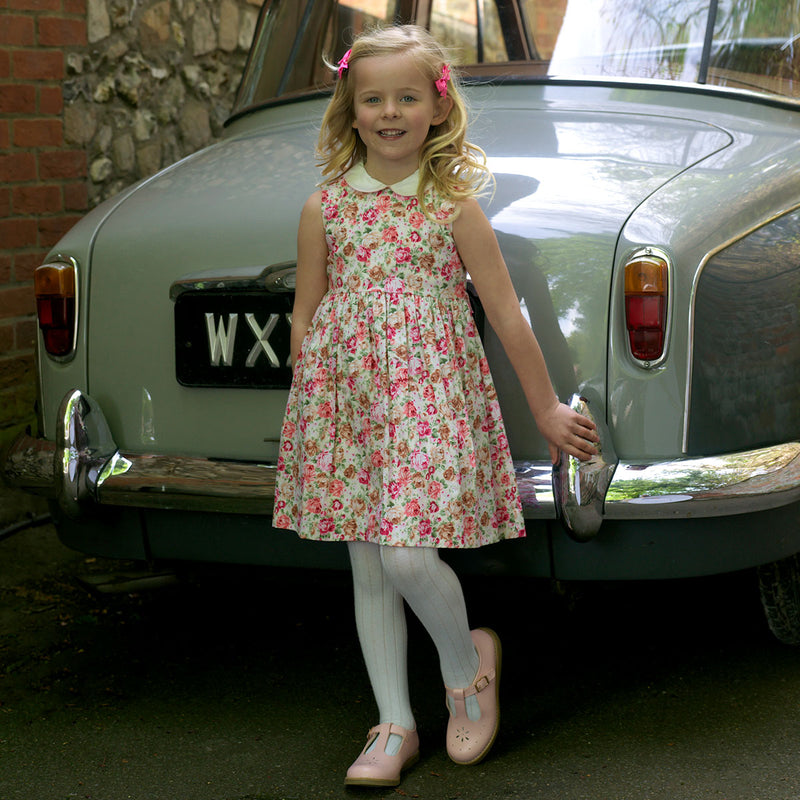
column 390, row 133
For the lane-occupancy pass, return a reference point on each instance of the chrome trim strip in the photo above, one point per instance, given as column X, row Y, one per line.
column 275, row 278
column 247, row 488
column 84, row 467
column 189, row 484
column 692, row 309
column 712, row 486
column 185, row 483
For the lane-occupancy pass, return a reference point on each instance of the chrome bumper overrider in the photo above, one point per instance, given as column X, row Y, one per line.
column 84, row 468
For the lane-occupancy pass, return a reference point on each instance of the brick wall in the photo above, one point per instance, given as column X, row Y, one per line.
column 43, row 188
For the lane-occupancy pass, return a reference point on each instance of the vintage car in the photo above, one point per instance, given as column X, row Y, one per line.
column 647, row 202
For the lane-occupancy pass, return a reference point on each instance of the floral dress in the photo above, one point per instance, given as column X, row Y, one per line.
column 393, row 432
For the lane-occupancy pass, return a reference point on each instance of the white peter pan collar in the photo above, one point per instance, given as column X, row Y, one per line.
column 362, row 181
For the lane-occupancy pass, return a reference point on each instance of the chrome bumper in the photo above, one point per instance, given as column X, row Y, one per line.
column 84, row 468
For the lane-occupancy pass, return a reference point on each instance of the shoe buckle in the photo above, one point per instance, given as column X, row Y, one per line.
column 482, row 683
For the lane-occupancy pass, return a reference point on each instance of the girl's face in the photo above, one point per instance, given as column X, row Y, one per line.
column 395, row 106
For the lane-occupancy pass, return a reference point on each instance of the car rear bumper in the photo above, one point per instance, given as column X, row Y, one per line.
column 84, row 468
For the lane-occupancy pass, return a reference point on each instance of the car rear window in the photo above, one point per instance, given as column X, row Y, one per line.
column 742, row 44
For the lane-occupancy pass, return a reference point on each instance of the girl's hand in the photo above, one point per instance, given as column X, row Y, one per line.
column 569, row 431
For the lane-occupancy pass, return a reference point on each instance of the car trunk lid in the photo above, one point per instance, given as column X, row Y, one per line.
column 567, row 179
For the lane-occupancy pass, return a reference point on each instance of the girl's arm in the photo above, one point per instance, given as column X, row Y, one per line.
column 312, row 278
column 563, row 428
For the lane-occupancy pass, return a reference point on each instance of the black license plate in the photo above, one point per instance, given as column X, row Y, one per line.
column 233, row 340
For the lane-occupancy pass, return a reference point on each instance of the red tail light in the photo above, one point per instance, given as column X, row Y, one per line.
column 646, row 294
column 54, row 285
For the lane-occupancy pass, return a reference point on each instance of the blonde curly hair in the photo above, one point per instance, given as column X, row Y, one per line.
column 448, row 163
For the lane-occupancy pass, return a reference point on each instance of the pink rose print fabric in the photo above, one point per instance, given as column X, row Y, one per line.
column 393, row 432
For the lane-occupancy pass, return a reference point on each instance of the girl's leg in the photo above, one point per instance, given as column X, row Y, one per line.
column 434, row 594
column 381, row 625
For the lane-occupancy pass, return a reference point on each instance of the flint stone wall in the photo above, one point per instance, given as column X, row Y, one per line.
column 154, row 83
column 95, row 95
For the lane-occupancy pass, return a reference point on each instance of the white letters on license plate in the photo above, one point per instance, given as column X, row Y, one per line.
column 221, row 339
column 239, row 340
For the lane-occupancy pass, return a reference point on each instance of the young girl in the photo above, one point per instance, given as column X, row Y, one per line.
column 393, row 440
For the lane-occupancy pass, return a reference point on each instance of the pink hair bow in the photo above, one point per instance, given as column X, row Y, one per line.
column 441, row 84
column 344, row 62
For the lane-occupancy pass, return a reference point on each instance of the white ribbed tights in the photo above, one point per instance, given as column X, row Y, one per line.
column 382, row 578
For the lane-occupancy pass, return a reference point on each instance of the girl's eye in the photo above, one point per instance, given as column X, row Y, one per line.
column 408, row 98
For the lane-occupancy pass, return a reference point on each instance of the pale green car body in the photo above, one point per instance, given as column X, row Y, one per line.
column 699, row 471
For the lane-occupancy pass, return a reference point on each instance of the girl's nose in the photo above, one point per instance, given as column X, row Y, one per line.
column 390, row 109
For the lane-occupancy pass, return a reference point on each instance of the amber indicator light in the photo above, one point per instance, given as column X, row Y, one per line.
column 54, row 285
column 646, row 306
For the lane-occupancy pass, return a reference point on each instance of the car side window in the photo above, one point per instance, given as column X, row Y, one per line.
column 471, row 30
column 293, row 39
column 751, row 45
